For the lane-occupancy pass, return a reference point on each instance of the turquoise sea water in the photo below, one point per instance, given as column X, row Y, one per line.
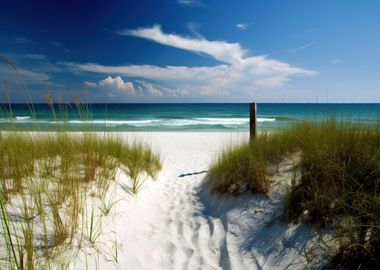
column 178, row 117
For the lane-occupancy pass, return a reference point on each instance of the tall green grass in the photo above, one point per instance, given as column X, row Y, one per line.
column 339, row 185
column 45, row 182
column 245, row 166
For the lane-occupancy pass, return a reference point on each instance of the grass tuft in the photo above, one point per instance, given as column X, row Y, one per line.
column 46, row 182
column 339, row 185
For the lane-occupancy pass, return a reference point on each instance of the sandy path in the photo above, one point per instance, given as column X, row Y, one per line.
column 174, row 223
column 184, row 238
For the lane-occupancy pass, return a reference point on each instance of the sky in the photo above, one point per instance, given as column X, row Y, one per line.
column 190, row 50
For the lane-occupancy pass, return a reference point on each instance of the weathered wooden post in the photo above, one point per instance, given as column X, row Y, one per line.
column 252, row 120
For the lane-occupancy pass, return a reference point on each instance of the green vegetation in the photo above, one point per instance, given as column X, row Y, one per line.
column 339, row 185
column 56, row 187
column 46, row 180
column 245, row 166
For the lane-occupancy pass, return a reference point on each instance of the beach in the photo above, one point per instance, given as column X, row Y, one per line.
column 190, row 134
column 175, row 223
column 144, row 200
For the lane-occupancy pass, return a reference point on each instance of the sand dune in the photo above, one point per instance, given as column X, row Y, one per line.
column 174, row 223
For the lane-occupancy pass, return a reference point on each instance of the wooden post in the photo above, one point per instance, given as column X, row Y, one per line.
column 252, row 120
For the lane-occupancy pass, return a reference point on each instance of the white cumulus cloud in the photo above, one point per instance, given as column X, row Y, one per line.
column 117, row 82
column 241, row 26
column 116, row 86
column 152, row 90
column 90, row 84
column 113, row 84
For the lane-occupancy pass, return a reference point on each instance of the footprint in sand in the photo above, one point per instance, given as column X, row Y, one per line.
column 210, row 241
column 181, row 258
column 168, row 221
column 180, row 228
column 160, row 252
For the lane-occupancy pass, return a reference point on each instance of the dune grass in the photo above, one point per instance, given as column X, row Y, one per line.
column 245, row 166
column 339, row 186
column 45, row 182
column 56, row 187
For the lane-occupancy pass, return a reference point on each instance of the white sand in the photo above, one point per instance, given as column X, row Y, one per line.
column 174, row 223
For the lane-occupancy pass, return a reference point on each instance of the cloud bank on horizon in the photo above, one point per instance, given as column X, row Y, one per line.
column 237, row 73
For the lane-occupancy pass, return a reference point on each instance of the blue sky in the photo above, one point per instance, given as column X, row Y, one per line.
column 192, row 51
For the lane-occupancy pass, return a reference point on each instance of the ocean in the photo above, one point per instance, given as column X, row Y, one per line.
column 177, row 117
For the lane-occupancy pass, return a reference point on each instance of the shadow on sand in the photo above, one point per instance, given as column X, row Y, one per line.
column 253, row 222
column 190, row 174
